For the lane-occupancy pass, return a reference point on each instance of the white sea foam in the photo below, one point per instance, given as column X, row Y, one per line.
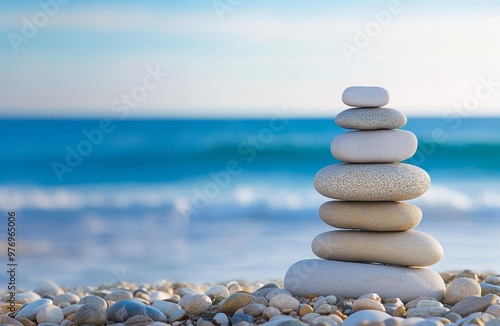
column 180, row 197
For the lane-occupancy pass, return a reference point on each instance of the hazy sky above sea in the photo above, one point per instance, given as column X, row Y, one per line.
column 246, row 57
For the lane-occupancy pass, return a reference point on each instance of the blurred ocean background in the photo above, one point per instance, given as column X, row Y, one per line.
column 217, row 199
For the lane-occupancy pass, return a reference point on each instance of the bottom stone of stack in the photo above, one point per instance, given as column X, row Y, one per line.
column 351, row 280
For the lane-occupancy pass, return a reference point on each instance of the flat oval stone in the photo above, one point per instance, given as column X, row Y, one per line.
column 408, row 248
column 372, row 182
column 372, row 119
column 235, row 301
column 351, row 280
column 122, row 310
column 370, row 216
column 374, row 146
column 365, row 96
column 31, row 309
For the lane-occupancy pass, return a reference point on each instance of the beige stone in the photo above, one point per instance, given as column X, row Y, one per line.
column 461, row 288
column 370, row 216
column 372, row 182
column 305, row 309
column 374, row 146
column 367, row 304
column 494, row 310
column 408, row 248
column 474, row 303
column 351, row 280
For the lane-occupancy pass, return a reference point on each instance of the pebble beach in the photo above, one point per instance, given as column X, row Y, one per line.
column 469, row 299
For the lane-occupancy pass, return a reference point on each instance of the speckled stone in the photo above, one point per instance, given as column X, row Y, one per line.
column 372, row 182
column 474, row 303
column 138, row 320
column 371, row 216
column 426, row 312
column 195, row 303
column 93, row 299
column 489, row 288
column 408, row 248
column 5, row 319
column 351, row 280
column 365, row 96
column 373, row 119
column 284, row 301
column 494, row 310
column 90, row 313
column 50, row 314
column 461, row 288
column 374, row 146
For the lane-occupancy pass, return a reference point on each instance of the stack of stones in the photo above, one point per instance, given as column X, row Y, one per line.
column 378, row 252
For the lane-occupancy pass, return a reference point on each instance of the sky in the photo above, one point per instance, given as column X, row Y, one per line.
column 241, row 58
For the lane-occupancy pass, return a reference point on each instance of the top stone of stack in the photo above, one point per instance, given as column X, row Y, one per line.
column 367, row 112
column 365, row 96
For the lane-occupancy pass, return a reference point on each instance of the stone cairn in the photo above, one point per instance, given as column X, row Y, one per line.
column 378, row 251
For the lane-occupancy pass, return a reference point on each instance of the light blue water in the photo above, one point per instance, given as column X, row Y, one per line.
column 212, row 200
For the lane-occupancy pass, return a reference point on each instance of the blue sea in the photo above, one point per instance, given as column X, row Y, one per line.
column 100, row 201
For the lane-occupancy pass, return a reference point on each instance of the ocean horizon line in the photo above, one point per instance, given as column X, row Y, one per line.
column 207, row 118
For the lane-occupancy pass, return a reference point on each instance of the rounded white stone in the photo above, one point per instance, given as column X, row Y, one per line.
column 370, row 216
column 460, row 288
column 365, row 96
column 408, row 248
column 359, row 317
column 372, row 119
column 372, row 182
column 374, row 146
column 50, row 314
column 168, row 308
column 351, row 280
